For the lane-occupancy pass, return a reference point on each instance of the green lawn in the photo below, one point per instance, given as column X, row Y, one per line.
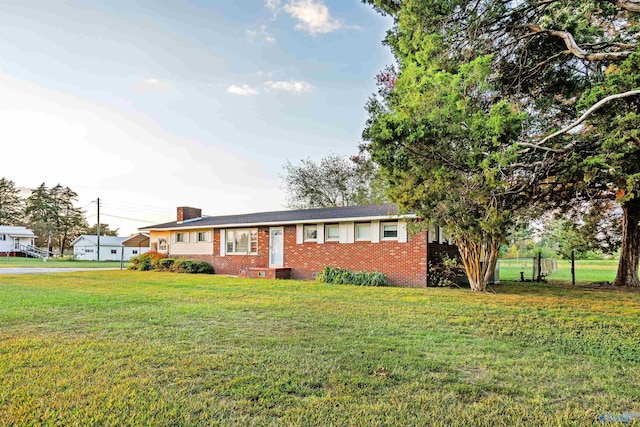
column 16, row 262
column 142, row 348
column 586, row 271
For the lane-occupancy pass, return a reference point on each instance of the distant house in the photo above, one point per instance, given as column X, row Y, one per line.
column 15, row 241
column 85, row 247
column 297, row 244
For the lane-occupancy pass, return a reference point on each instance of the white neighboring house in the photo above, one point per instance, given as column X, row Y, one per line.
column 85, row 248
column 15, row 239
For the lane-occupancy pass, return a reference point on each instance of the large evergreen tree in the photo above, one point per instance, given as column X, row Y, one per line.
column 53, row 217
column 572, row 66
column 11, row 204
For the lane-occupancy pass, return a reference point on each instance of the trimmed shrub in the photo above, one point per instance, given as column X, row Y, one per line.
column 340, row 276
column 166, row 264
column 160, row 262
column 147, row 261
column 182, row 265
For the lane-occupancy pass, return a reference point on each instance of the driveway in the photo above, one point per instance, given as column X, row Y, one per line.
column 26, row 270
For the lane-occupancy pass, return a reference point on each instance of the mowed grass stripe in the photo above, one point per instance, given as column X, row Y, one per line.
column 113, row 348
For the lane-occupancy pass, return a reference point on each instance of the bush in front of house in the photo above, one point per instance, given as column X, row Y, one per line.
column 182, row 265
column 147, row 261
column 340, row 276
column 159, row 262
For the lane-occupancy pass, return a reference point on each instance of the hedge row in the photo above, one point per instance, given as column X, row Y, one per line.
column 160, row 262
column 347, row 277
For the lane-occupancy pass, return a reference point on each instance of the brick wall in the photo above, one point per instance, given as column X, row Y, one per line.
column 404, row 263
column 185, row 213
column 232, row 264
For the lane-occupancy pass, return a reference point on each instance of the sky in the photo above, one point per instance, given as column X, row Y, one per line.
column 153, row 104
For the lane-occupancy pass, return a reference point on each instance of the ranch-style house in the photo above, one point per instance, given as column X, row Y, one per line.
column 297, row 244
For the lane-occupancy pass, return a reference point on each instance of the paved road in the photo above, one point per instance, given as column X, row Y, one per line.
column 49, row 270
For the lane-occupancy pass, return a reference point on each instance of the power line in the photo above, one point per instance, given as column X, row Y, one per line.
column 130, row 219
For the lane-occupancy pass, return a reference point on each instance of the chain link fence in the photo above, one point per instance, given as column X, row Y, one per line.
column 527, row 268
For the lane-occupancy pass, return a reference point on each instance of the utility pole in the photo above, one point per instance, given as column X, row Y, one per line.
column 98, row 254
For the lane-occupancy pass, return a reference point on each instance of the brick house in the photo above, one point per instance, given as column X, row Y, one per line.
column 297, row 244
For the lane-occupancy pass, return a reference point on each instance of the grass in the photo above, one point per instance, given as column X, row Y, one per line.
column 19, row 262
column 586, row 270
column 142, row 348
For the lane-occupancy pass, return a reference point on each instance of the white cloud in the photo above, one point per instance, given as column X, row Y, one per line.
column 273, row 6
column 244, row 90
column 295, row 86
column 261, row 33
column 313, row 17
column 263, row 74
column 109, row 147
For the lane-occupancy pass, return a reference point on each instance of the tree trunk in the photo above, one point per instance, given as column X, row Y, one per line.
column 479, row 260
column 627, row 274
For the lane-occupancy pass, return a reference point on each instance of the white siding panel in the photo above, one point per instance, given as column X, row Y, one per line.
column 320, row 233
column 350, row 231
column 375, row 231
column 343, row 232
column 402, row 232
column 442, row 239
column 299, row 233
column 223, row 242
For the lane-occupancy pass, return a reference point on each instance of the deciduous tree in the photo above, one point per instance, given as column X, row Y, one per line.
column 332, row 181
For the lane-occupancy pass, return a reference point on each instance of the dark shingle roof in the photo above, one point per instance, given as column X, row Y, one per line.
column 290, row 216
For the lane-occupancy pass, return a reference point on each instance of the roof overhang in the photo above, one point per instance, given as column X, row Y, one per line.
column 277, row 223
column 137, row 241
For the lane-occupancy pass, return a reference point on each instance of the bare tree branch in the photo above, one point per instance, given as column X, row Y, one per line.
column 630, row 5
column 581, row 119
column 576, row 50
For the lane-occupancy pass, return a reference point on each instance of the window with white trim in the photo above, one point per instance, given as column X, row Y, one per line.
column 310, row 233
column 363, row 232
column 179, row 237
column 3, row 237
column 242, row 241
column 202, row 236
column 389, row 231
column 332, row 232
column 134, row 252
column 162, row 244
column 114, row 251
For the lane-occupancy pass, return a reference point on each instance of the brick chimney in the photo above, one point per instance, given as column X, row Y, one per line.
column 186, row 213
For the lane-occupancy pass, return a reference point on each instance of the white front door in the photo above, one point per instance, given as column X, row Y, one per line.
column 276, row 247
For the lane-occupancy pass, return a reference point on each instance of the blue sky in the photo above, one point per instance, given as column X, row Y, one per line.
column 155, row 104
